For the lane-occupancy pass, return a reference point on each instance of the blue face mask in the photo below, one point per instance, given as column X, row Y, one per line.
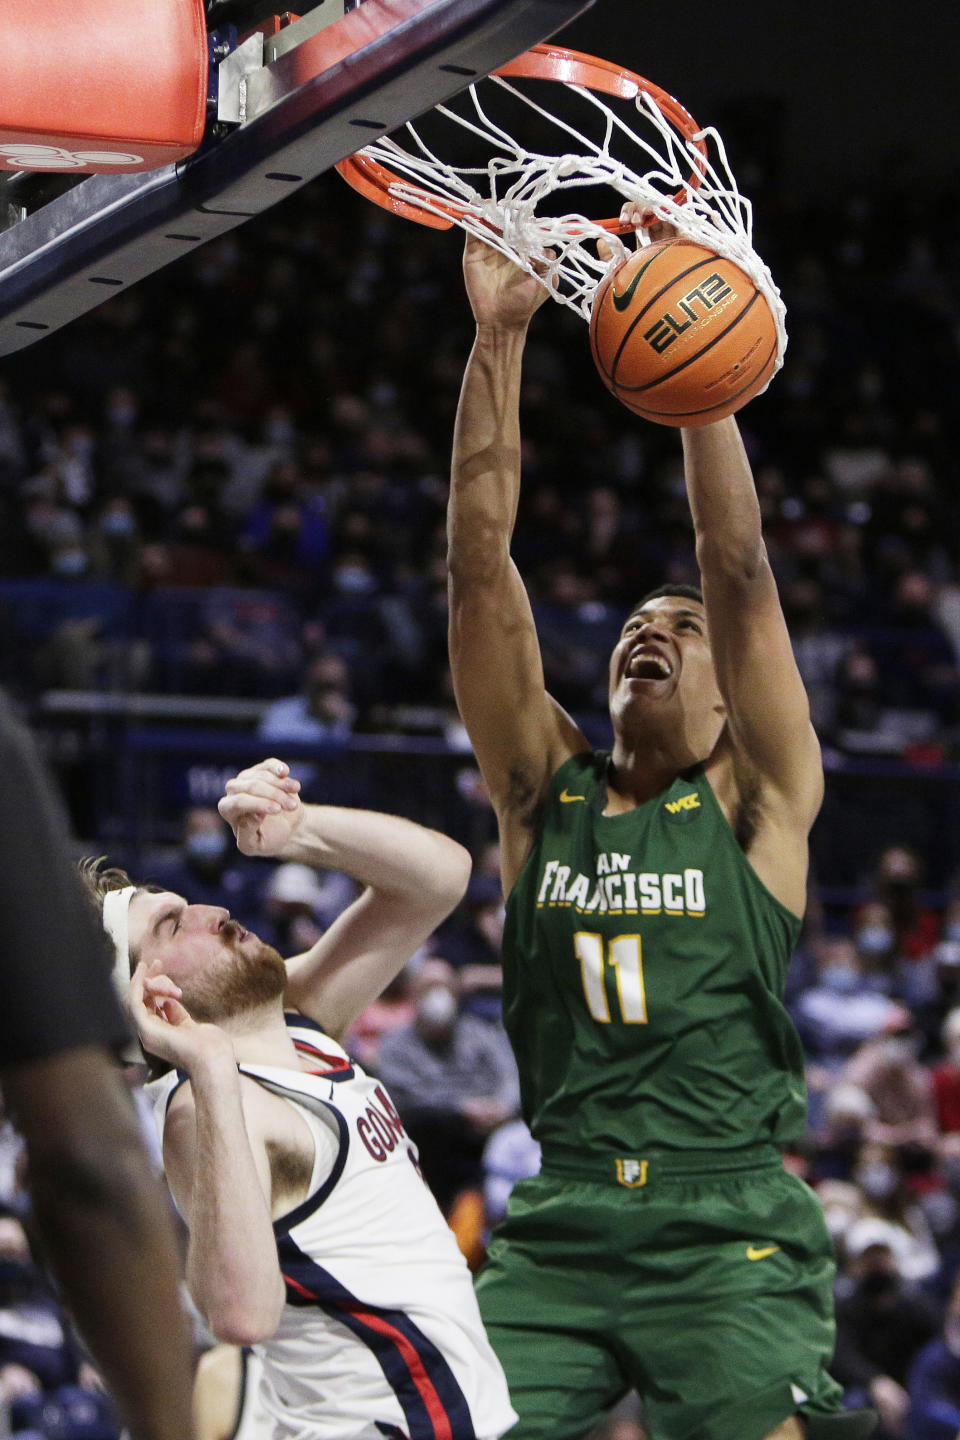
column 841, row 978
column 117, row 523
column 208, row 845
column 437, row 1006
column 877, row 1180
column 874, row 940
column 354, row 580
column 69, row 562
column 279, row 431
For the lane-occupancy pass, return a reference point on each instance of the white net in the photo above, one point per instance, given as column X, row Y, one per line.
column 502, row 200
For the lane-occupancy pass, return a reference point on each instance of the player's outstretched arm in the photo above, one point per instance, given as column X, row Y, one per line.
column 107, row 1232
column 412, row 878
column 232, row 1267
column 768, row 711
column 519, row 734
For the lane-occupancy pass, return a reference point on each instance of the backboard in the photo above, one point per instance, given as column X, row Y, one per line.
column 288, row 102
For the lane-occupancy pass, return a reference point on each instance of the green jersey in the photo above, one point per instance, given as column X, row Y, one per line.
column 644, row 967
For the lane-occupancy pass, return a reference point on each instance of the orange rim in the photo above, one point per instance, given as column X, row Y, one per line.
column 542, row 62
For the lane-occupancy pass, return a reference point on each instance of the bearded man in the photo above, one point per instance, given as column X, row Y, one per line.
column 312, row 1235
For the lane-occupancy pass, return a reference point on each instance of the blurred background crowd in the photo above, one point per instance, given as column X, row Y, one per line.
column 222, row 536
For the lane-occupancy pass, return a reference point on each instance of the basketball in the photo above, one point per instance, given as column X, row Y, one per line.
column 682, row 336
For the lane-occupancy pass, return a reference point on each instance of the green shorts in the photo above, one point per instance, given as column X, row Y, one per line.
column 705, row 1283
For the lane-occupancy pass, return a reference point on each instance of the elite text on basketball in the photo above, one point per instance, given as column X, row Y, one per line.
column 710, row 293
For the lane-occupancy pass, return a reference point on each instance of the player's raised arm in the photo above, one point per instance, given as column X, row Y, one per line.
column 768, row 712
column 412, row 878
column 519, row 734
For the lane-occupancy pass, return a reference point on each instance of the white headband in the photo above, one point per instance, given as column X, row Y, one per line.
column 116, row 914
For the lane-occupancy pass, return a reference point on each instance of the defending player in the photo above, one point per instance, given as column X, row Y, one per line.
column 312, row 1235
column 654, row 896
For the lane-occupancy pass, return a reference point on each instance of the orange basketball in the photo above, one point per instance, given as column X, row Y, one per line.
column 682, row 336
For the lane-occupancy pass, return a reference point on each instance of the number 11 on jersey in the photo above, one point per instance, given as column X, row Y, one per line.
column 625, row 954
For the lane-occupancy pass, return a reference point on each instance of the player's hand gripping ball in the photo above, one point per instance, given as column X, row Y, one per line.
column 682, row 336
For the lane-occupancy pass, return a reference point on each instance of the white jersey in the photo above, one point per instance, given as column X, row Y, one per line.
column 381, row 1335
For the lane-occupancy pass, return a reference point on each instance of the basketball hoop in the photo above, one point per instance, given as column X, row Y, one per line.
column 677, row 170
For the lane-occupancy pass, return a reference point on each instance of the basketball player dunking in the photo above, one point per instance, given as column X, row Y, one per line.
column 654, row 896
column 313, row 1237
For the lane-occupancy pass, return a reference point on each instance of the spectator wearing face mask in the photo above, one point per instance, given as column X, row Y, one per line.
column 883, row 1180
column 897, row 880
column 206, row 869
column 876, row 940
column 453, row 1079
column 888, row 1070
column 879, row 1189
column 300, row 903
column 839, row 1136
column 322, row 711
column 320, row 717
column 933, row 1383
column 114, row 541
column 882, row 1323
column 842, row 1009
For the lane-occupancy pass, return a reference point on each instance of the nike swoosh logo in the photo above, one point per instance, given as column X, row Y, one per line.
column 566, row 797
column 757, row 1252
column 621, row 301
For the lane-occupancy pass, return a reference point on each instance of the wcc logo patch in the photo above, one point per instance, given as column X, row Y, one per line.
column 684, row 809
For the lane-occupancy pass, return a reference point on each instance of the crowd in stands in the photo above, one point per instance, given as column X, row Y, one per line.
column 231, row 482
column 220, row 482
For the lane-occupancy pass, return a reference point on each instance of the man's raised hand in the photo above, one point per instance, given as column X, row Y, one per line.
column 262, row 807
column 500, row 292
column 164, row 1026
column 640, row 217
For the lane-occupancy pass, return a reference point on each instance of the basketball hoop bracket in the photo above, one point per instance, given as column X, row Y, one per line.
column 316, row 103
